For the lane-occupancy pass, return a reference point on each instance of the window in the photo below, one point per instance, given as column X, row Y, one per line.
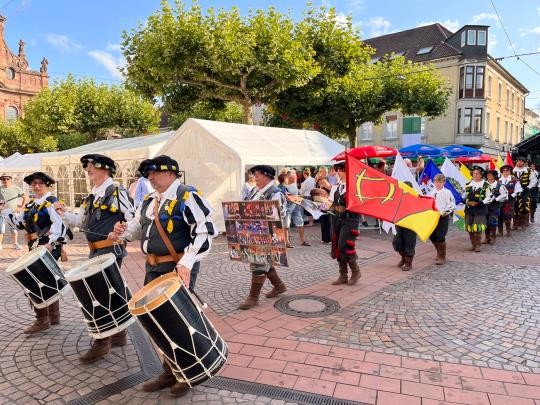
column 12, row 113
column 488, row 124
column 505, row 131
column 507, row 99
column 477, row 124
column 412, row 125
column 463, row 38
column 471, row 37
column 366, row 131
column 498, row 129
column 499, row 94
column 512, row 105
column 471, row 81
column 461, row 81
column 80, row 189
column 459, row 121
column 423, row 51
column 479, row 85
column 511, row 132
column 489, row 87
column 10, row 73
column 481, row 38
column 390, row 127
column 467, row 120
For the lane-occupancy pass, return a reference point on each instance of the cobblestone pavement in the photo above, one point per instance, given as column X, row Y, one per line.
column 466, row 332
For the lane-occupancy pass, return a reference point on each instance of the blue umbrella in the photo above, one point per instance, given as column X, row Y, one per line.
column 461, row 150
column 421, row 149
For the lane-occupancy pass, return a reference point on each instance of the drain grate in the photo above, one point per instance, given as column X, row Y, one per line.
column 306, row 306
column 269, row 391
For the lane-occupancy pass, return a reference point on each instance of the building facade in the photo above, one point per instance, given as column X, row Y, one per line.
column 532, row 123
column 18, row 83
column 487, row 104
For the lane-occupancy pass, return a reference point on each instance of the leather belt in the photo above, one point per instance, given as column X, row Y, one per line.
column 31, row 236
column 101, row 244
column 154, row 260
column 339, row 209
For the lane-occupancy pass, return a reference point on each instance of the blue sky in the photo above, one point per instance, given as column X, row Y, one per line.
column 82, row 37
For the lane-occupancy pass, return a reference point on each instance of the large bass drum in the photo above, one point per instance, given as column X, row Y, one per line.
column 183, row 334
column 39, row 276
column 102, row 294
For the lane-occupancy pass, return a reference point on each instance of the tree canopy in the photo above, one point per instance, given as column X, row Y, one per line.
column 215, row 110
column 183, row 56
column 74, row 111
column 13, row 138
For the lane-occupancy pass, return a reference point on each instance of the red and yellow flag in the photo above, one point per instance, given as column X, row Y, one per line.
column 373, row 193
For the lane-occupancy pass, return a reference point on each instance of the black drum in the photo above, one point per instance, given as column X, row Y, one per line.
column 102, row 294
column 39, row 276
column 176, row 324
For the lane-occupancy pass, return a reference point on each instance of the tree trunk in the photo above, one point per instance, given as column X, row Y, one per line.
column 351, row 134
column 248, row 114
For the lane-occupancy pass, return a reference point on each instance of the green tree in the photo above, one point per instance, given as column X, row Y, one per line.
column 184, row 56
column 350, row 90
column 86, row 111
column 215, row 110
column 13, row 139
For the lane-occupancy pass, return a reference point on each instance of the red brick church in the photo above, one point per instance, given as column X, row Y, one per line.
column 18, row 84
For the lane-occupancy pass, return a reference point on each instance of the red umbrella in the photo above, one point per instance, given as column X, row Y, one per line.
column 476, row 159
column 367, row 151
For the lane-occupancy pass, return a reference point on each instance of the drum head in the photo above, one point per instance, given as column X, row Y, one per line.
column 26, row 259
column 154, row 294
column 90, row 267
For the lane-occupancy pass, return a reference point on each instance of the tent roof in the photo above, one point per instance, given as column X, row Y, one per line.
column 267, row 145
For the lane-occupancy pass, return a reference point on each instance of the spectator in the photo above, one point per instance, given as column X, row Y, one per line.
column 332, row 176
column 15, row 200
column 142, row 189
column 321, row 182
column 248, row 186
column 294, row 211
column 305, row 189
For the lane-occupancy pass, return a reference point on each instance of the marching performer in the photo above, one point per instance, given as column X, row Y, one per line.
column 513, row 188
column 477, row 194
column 176, row 230
column 534, row 190
column 264, row 189
column 527, row 179
column 43, row 227
column 445, row 204
column 499, row 194
column 106, row 204
column 345, row 231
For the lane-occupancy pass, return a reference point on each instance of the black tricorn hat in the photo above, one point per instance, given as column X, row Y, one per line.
column 268, row 171
column 48, row 180
column 162, row 163
column 99, row 162
column 509, row 167
column 524, row 159
column 494, row 173
column 480, row 169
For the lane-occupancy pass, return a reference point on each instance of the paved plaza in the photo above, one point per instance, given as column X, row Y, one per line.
column 463, row 333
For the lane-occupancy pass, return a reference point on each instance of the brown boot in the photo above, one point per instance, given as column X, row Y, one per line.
column 487, row 241
column 355, row 272
column 164, row 380
column 524, row 222
column 252, row 300
column 473, row 240
column 507, row 225
column 343, row 274
column 515, row 223
column 179, row 389
column 54, row 313
column 493, row 230
column 41, row 322
column 408, row 263
column 500, row 227
column 119, row 339
column 100, row 347
column 402, row 261
column 478, row 241
column 278, row 285
column 441, row 253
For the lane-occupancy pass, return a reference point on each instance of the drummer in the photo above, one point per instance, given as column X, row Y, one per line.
column 107, row 203
column 43, row 227
column 181, row 238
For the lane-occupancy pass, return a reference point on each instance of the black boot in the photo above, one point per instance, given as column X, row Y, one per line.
column 343, row 274
column 278, row 285
column 252, row 300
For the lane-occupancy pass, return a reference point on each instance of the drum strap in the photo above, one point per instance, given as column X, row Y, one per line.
column 162, row 232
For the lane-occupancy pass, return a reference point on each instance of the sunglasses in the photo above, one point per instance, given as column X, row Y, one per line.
column 97, row 165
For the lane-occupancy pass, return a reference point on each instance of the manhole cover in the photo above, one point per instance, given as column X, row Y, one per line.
column 306, row 306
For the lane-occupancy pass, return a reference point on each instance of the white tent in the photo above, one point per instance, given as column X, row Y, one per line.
column 216, row 155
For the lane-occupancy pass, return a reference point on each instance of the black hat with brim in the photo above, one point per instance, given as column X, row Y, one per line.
column 480, row 169
column 266, row 170
column 509, row 167
column 494, row 173
column 48, row 180
column 520, row 158
column 99, row 162
column 161, row 163
column 339, row 165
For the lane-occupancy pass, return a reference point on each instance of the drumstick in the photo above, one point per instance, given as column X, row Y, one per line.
column 12, row 198
column 204, row 304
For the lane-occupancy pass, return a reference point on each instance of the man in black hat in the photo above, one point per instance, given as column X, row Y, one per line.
column 498, row 195
column 477, row 195
column 265, row 189
column 174, row 215
column 513, row 187
column 106, row 204
column 527, row 179
column 43, row 227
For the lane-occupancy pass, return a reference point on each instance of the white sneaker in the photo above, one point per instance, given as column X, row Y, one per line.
column 18, row 247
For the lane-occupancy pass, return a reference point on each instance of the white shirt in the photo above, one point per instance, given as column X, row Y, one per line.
column 503, row 192
column 444, row 200
column 533, row 179
column 517, row 188
column 340, row 187
column 479, row 184
column 307, row 185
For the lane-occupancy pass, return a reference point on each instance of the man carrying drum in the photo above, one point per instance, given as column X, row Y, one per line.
column 106, row 204
column 44, row 227
column 176, row 230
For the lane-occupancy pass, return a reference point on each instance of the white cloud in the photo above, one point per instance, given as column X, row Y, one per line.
column 535, row 30
column 356, row 5
column 109, row 61
column 476, row 19
column 452, row 25
column 492, row 43
column 376, row 26
column 62, row 43
column 113, row 47
column 342, row 19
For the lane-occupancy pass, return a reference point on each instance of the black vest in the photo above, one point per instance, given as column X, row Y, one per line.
column 36, row 218
column 171, row 219
column 101, row 215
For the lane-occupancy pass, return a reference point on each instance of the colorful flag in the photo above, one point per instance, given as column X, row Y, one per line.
column 508, row 160
column 465, row 172
column 459, row 181
column 427, row 179
column 373, row 193
column 500, row 162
